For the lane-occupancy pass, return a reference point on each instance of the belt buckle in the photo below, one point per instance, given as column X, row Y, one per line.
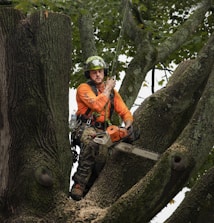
column 88, row 122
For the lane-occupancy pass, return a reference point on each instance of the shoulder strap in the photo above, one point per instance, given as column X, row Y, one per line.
column 94, row 89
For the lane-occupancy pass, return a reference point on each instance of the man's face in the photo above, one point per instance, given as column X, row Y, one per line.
column 97, row 76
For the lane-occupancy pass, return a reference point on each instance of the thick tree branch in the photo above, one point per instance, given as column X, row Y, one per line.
column 194, row 200
column 164, row 114
column 136, row 73
column 134, row 32
column 184, row 32
column 183, row 156
column 87, row 40
column 142, row 62
column 147, row 56
column 199, row 134
column 140, row 203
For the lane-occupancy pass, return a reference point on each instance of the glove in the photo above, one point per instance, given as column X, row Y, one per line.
column 133, row 134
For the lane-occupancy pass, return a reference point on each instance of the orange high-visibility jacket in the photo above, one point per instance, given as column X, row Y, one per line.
column 86, row 98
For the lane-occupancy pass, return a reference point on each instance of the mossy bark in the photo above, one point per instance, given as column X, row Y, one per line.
column 35, row 65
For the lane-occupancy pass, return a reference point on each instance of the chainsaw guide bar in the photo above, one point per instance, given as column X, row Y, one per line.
column 105, row 140
column 126, row 147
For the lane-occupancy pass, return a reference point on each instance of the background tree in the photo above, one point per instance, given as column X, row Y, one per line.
column 176, row 121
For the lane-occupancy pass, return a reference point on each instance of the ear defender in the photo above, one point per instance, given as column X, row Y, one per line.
column 87, row 74
column 106, row 71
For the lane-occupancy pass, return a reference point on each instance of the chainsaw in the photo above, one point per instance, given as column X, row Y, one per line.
column 118, row 138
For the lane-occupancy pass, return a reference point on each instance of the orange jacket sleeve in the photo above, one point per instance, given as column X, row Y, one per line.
column 121, row 108
column 86, row 98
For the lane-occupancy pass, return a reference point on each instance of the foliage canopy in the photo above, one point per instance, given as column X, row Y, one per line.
column 159, row 19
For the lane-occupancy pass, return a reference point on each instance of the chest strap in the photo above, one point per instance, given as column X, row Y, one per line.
column 94, row 89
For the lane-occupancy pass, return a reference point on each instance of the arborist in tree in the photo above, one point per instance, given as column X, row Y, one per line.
column 96, row 100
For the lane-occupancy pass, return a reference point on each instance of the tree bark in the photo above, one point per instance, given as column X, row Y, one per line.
column 34, row 78
column 87, row 36
column 194, row 206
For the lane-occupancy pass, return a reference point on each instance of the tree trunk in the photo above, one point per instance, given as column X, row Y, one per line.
column 35, row 63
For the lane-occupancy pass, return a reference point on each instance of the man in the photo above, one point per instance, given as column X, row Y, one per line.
column 95, row 100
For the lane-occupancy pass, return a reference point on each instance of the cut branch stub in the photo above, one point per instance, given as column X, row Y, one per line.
column 43, row 176
column 178, row 162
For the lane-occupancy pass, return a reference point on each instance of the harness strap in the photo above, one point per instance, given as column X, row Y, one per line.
column 99, row 125
column 93, row 87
